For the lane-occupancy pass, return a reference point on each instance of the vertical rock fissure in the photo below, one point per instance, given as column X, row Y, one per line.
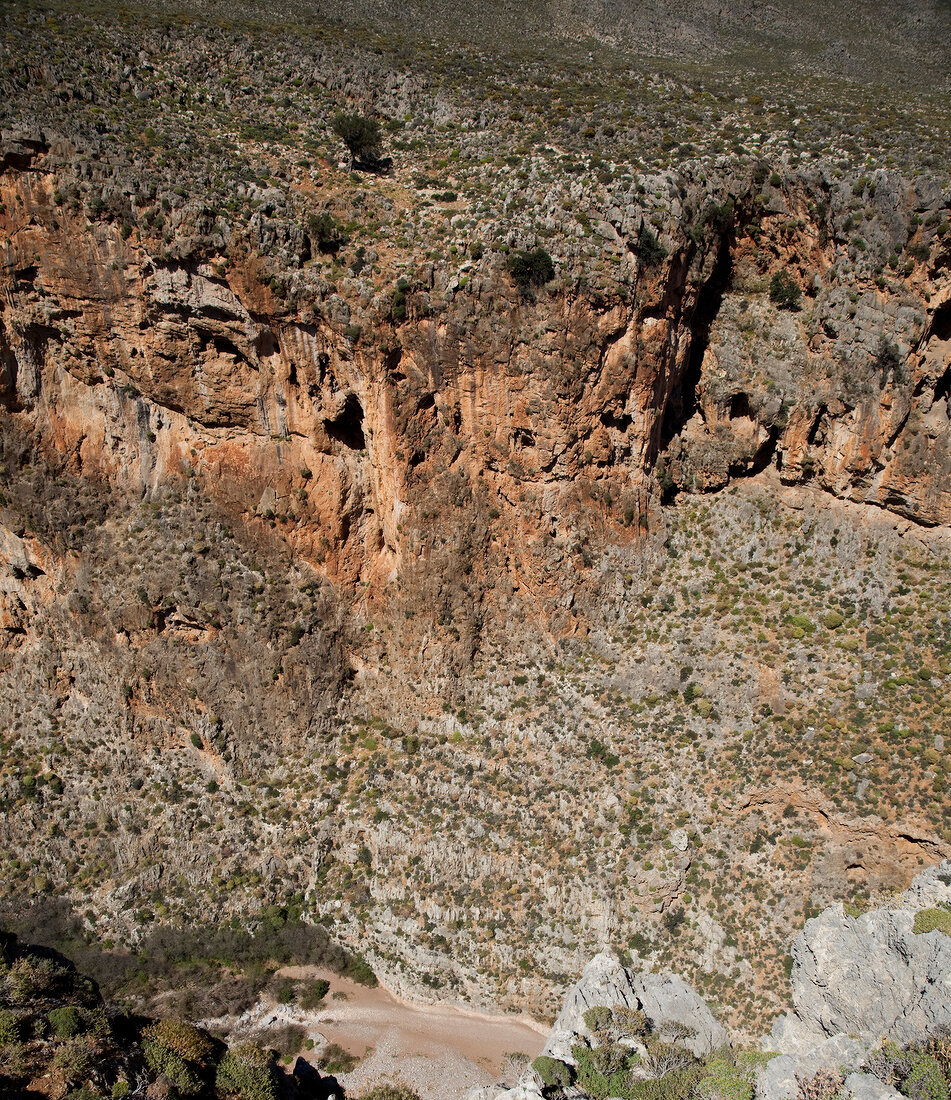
column 682, row 402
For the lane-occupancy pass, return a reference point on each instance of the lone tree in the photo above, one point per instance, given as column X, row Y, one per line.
column 360, row 135
column 784, row 291
column 530, row 269
column 648, row 248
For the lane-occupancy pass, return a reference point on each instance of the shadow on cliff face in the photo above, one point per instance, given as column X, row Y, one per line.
column 347, row 426
column 682, row 403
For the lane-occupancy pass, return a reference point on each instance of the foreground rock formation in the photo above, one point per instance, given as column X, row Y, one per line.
column 859, row 981
column 858, row 984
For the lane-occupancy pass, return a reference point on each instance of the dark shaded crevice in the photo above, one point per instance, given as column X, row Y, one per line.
column 740, row 406
column 620, row 422
column 223, row 346
column 266, row 343
column 898, row 429
column 764, row 456
column 941, row 322
column 27, row 572
column 816, row 424
column 682, row 402
column 20, row 158
column 393, row 362
column 25, row 278
column 942, row 390
column 765, row 453
column 8, row 373
column 212, row 313
column 347, row 426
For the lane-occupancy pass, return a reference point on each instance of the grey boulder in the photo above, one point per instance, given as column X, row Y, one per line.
column 669, row 1003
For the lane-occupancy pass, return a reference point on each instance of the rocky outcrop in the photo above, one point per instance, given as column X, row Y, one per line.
column 669, row 1003
column 855, row 982
column 674, row 1012
column 859, row 980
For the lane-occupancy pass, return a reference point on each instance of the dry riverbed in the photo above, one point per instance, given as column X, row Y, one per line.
column 439, row 1050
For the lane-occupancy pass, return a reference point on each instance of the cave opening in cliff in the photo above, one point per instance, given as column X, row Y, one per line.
column 347, row 426
column 941, row 322
column 682, row 402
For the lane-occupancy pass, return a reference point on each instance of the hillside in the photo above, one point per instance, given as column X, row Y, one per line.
column 353, row 565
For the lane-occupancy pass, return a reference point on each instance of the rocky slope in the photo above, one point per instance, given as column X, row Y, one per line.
column 341, row 569
column 871, row 1011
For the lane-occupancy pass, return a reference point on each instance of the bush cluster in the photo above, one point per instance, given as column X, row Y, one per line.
column 531, row 269
column 784, row 291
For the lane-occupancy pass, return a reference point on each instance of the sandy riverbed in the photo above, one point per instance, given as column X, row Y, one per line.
column 439, row 1050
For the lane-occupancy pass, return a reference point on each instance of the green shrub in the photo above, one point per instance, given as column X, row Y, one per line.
column 649, row 249
column 888, row 359
column 187, row 1041
column 630, row 1021
column 65, row 1022
column 249, row 1071
column 679, row 1084
column 314, row 993
column 833, row 620
column 598, row 1021
column 160, row 1059
column 398, row 300
column 325, row 233
column 334, row 1059
column 360, row 135
column 284, row 993
column 11, row 1027
column 925, row 1081
column 553, row 1072
column 800, row 626
column 73, row 1059
column 390, row 1091
column 530, row 269
column 784, row 291
column 602, row 1072
column 933, row 920
column 360, row 971
column 287, row 1039
column 673, row 919
column 729, row 1076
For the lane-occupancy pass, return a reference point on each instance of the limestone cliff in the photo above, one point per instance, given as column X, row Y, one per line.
column 484, row 423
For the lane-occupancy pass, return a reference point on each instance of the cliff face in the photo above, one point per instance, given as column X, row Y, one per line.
column 484, row 423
